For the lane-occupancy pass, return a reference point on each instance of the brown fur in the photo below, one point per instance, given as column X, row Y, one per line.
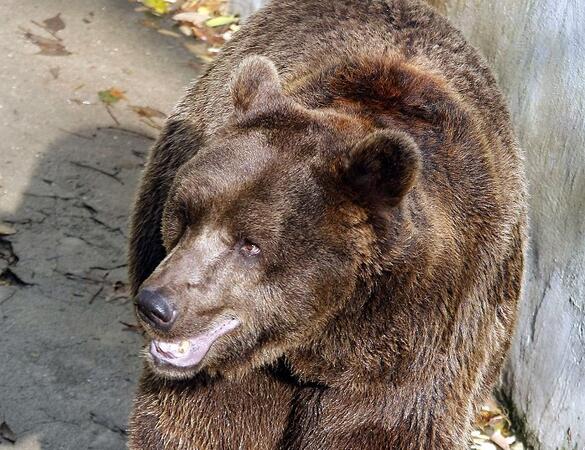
column 369, row 152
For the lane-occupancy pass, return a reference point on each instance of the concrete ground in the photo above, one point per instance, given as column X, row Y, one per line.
column 68, row 170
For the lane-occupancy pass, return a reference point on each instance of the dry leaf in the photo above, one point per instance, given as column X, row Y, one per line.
column 487, row 446
column 191, row 5
column 186, row 30
column 500, row 440
column 168, row 33
column 218, row 7
column 208, row 35
column 54, row 24
column 206, row 20
column 148, row 112
column 6, row 230
column 195, row 18
column 47, row 46
column 493, row 427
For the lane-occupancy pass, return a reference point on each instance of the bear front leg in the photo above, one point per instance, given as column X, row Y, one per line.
column 377, row 418
column 206, row 413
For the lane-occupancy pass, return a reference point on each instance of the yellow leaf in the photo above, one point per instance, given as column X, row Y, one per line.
column 158, row 7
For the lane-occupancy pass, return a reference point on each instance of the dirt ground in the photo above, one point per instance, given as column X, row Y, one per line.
column 68, row 170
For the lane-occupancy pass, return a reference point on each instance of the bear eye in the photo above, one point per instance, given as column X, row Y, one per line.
column 248, row 249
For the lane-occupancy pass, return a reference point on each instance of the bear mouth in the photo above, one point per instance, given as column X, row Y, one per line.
column 190, row 352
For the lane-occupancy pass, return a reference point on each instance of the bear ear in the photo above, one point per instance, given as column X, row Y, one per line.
column 256, row 86
column 382, row 167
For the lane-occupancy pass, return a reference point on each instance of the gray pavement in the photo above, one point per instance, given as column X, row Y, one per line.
column 68, row 170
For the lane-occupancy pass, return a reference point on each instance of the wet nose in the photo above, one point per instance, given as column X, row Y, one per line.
column 156, row 309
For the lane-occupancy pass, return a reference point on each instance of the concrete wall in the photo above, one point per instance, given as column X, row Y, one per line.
column 537, row 49
column 245, row 7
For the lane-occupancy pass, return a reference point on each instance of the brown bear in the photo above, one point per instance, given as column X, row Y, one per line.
column 327, row 246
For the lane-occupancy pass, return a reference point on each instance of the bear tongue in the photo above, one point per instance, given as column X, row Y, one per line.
column 191, row 351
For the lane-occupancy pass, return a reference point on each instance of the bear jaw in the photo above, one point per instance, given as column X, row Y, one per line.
column 170, row 357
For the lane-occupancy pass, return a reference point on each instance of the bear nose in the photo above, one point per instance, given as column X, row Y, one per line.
column 156, row 309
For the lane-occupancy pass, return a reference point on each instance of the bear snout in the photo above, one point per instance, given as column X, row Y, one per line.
column 155, row 309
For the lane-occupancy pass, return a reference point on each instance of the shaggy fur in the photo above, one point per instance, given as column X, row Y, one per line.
column 365, row 148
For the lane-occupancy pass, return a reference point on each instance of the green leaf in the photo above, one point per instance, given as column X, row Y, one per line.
column 111, row 96
column 220, row 21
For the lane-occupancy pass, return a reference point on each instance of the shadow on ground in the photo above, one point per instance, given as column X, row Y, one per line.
column 69, row 364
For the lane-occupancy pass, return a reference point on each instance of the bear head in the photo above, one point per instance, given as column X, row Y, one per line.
column 271, row 229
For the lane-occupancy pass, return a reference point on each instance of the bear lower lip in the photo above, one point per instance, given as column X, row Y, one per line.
column 191, row 351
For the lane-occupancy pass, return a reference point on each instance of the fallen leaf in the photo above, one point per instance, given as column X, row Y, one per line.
column 500, row 440
column 148, row 112
column 487, row 446
column 158, row 7
column 54, row 24
column 186, row 30
column 206, row 20
column 168, row 33
column 221, row 21
column 54, row 71
column 6, row 230
column 151, row 124
column 218, row 7
column 204, row 10
column 493, row 429
column 47, row 46
column 111, row 96
column 7, row 433
column 191, row 17
column 207, row 35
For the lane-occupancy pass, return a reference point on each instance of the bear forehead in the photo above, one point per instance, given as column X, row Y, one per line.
column 246, row 168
